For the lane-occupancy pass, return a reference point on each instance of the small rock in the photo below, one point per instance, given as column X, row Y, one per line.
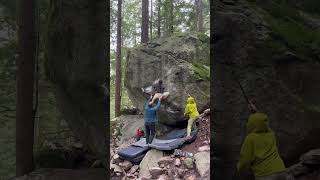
column 118, row 174
column 163, row 177
column 168, row 166
column 180, row 172
column 126, row 165
column 170, row 174
column 162, row 165
column 166, row 160
column 136, row 173
column 111, row 153
column 117, row 169
column 134, row 169
column 204, row 148
column 112, row 166
column 190, row 177
column 177, row 162
column 155, row 171
column 188, row 162
column 172, row 156
column 116, row 158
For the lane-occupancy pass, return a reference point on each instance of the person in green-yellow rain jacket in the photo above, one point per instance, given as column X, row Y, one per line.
column 259, row 151
column 192, row 113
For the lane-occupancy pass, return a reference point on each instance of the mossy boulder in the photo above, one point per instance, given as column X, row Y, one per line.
column 274, row 65
column 182, row 61
column 78, row 68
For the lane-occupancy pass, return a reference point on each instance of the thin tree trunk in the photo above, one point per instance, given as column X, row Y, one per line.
column 118, row 63
column 145, row 22
column 159, row 18
column 167, row 17
column 25, row 83
column 171, row 17
column 135, row 32
column 199, row 16
column 151, row 16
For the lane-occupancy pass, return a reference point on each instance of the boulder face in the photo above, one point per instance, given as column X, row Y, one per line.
column 76, row 64
column 283, row 79
column 182, row 62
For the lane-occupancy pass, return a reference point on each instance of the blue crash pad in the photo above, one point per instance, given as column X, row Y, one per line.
column 180, row 133
column 132, row 152
column 136, row 151
column 166, row 145
column 140, row 143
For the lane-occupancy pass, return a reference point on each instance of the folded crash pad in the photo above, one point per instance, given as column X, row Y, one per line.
column 132, row 152
column 141, row 143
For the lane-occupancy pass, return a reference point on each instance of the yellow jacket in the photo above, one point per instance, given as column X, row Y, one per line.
column 191, row 108
column 259, row 150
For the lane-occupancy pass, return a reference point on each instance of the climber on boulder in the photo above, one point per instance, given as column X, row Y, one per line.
column 259, row 151
column 156, row 91
column 192, row 113
column 150, row 119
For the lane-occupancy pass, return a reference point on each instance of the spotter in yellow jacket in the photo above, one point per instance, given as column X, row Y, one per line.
column 192, row 112
column 259, row 151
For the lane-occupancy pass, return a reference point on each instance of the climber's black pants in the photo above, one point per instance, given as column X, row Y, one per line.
column 150, row 131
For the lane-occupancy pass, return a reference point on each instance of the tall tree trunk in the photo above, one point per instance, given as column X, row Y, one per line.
column 25, row 80
column 151, row 16
column 135, row 33
column 199, row 16
column 118, row 63
column 159, row 18
column 167, row 17
column 145, row 22
column 171, row 17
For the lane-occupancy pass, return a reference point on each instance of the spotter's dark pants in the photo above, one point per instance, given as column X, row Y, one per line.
column 150, row 131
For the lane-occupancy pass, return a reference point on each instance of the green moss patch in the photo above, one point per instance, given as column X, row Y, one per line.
column 201, row 71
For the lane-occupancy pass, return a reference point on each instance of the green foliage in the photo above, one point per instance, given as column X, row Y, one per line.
column 201, row 71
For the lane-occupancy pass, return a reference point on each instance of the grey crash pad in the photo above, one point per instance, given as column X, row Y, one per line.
column 140, row 143
column 166, row 145
column 132, row 152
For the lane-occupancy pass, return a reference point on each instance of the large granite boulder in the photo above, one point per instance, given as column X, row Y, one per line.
column 284, row 81
column 182, row 62
column 78, row 67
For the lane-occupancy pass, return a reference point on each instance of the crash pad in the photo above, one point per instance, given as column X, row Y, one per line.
column 166, row 145
column 176, row 138
column 132, row 152
column 180, row 133
column 141, row 143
